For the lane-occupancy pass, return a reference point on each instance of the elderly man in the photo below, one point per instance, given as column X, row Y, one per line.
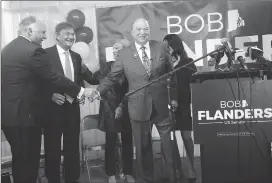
column 62, row 115
column 140, row 63
column 24, row 69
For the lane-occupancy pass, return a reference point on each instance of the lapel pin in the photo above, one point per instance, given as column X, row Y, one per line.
column 135, row 55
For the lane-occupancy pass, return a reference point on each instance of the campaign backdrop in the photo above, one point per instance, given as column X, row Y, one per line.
column 200, row 24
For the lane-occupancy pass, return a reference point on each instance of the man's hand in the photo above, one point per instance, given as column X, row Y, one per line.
column 92, row 94
column 174, row 105
column 58, row 98
column 118, row 112
column 84, row 68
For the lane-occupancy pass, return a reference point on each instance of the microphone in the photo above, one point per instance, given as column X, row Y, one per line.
column 215, row 59
column 218, row 55
column 228, row 51
column 240, row 55
column 256, row 53
column 241, row 60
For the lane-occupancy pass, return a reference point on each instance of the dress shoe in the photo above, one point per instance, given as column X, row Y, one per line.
column 184, row 180
column 122, row 176
column 192, row 177
column 191, row 173
column 129, row 179
column 112, row 179
column 192, row 180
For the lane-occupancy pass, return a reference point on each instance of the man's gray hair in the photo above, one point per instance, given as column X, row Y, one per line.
column 63, row 26
column 132, row 24
column 25, row 23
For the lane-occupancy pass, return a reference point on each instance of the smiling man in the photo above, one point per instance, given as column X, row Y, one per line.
column 143, row 61
column 62, row 114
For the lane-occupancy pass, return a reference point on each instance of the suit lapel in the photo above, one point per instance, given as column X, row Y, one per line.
column 152, row 55
column 137, row 59
column 56, row 60
column 75, row 64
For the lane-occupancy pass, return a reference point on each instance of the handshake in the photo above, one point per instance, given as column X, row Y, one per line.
column 91, row 94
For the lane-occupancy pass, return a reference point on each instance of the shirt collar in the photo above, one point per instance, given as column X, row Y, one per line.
column 138, row 47
column 176, row 62
column 61, row 50
column 26, row 38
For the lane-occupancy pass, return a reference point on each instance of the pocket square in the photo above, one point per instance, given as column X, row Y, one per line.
column 161, row 58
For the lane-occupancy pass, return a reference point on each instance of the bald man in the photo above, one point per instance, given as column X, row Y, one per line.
column 24, row 68
column 143, row 61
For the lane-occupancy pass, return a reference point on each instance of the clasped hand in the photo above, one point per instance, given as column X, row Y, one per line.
column 58, row 98
column 118, row 112
column 92, row 94
column 174, row 105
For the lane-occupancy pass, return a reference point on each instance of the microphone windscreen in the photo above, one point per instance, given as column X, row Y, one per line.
column 225, row 41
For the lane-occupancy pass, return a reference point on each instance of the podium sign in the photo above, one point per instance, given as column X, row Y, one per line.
column 233, row 124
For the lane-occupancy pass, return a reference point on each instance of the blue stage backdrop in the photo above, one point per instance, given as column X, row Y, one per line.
column 200, row 24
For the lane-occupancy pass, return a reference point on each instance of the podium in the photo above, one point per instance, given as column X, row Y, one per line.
column 232, row 120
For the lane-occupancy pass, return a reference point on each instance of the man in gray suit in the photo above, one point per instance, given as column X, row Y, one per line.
column 140, row 63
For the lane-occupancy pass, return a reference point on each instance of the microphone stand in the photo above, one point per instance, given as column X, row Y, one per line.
column 171, row 109
column 172, row 132
column 170, row 73
column 263, row 66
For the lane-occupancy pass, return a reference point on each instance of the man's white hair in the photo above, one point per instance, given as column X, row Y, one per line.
column 138, row 20
column 25, row 23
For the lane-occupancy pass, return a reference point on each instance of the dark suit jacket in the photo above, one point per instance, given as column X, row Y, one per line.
column 54, row 111
column 184, row 78
column 24, row 68
column 128, row 64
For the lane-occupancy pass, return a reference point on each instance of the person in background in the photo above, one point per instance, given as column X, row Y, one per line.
column 113, row 118
column 183, row 113
column 24, row 68
column 62, row 113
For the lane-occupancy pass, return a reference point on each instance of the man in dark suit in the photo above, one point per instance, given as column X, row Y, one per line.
column 24, row 68
column 140, row 63
column 62, row 116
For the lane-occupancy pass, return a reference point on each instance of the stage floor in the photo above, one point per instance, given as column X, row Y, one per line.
column 98, row 174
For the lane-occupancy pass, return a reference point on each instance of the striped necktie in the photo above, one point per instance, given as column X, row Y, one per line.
column 146, row 61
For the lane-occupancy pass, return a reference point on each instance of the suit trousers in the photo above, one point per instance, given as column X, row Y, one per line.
column 25, row 142
column 163, row 126
column 127, row 152
column 144, row 154
column 67, row 125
